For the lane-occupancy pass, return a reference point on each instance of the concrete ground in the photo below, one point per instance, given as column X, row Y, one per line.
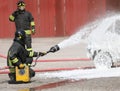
column 55, row 84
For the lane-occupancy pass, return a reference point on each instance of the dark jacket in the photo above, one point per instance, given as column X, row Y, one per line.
column 17, row 54
column 22, row 19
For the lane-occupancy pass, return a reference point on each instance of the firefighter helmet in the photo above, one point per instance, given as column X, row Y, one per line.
column 21, row 3
column 20, row 35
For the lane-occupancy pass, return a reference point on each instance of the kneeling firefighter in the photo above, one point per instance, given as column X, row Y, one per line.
column 18, row 56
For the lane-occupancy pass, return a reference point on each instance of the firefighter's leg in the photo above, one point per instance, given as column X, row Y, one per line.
column 32, row 72
column 29, row 45
column 12, row 76
column 28, row 41
column 29, row 48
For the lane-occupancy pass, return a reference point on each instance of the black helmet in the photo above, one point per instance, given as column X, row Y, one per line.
column 21, row 3
column 20, row 36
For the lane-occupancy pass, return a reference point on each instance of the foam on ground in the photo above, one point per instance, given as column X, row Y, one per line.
column 82, row 74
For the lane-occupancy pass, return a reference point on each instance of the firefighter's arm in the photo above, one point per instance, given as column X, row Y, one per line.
column 13, row 56
column 16, row 62
column 39, row 54
column 35, row 54
column 31, row 54
column 12, row 18
column 32, row 23
column 32, row 27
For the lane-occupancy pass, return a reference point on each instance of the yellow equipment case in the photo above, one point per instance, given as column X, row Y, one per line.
column 22, row 75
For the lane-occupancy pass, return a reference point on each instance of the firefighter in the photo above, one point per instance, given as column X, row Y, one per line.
column 19, row 56
column 24, row 21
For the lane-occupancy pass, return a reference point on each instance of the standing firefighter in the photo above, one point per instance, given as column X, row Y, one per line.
column 18, row 56
column 24, row 21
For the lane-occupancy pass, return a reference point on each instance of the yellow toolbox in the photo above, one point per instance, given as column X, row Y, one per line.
column 22, row 75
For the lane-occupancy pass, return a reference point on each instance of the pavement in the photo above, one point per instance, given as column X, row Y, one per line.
column 56, row 84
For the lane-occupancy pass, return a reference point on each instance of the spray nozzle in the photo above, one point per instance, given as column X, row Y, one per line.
column 54, row 49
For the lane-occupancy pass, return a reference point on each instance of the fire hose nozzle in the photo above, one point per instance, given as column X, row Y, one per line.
column 54, row 49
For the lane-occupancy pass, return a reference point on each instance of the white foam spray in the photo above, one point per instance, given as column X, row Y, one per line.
column 82, row 74
column 82, row 34
column 96, row 32
column 105, row 34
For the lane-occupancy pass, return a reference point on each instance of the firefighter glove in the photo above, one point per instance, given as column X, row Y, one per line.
column 41, row 53
column 29, row 65
column 54, row 48
column 33, row 31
